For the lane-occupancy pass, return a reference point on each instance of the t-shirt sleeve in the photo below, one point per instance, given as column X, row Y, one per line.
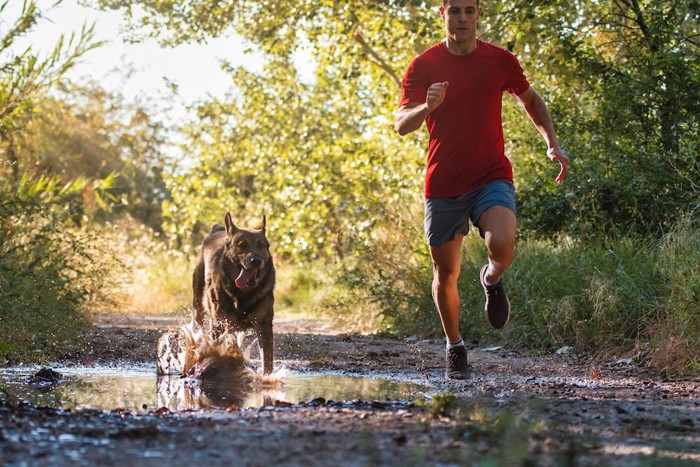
column 516, row 82
column 414, row 87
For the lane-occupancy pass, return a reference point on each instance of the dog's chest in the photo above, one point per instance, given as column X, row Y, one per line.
column 242, row 309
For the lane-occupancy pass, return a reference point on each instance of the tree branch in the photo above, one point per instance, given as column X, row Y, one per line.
column 643, row 25
column 377, row 59
column 691, row 41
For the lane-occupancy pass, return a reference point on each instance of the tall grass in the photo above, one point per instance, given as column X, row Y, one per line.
column 675, row 333
column 154, row 279
column 612, row 296
column 587, row 294
column 596, row 295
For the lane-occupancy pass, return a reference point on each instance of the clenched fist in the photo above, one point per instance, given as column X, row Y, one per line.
column 436, row 94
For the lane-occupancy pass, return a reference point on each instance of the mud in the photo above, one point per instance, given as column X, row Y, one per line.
column 516, row 409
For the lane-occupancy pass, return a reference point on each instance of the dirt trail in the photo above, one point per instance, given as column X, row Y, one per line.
column 515, row 410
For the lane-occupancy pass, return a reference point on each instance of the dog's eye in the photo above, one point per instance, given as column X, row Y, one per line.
column 243, row 245
column 263, row 245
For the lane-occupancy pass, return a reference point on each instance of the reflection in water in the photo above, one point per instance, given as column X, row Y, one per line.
column 84, row 388
column 140, row 389
column 187, row 394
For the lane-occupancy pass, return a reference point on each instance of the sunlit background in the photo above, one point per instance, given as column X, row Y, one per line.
column 289, row 112
column 143, row 71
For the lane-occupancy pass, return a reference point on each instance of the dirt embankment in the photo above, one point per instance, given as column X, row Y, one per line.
column 515, row 409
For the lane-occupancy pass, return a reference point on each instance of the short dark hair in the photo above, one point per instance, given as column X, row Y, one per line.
column 444, row 2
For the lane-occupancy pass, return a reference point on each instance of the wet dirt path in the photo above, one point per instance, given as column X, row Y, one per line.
column 515, row 410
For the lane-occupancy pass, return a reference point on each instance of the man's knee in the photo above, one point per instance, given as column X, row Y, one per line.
column 445, row 282
column 502, row 242
column 499, row 227
column 445, row 279
column 499, row 223
column 446, row 260
column 497, row 218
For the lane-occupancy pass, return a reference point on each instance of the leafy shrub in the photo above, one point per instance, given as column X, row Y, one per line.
column 51, row 268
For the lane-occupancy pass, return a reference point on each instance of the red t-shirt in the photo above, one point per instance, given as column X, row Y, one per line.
column 466, row 148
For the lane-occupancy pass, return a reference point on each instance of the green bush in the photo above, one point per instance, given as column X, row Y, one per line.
column 50, row 267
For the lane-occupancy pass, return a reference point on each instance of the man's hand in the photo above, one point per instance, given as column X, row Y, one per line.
column 410, row 116
column 436, row 94
column 557, row 155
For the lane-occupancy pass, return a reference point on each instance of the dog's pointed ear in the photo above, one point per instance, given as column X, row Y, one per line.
column 230, row 227
column 262, row 225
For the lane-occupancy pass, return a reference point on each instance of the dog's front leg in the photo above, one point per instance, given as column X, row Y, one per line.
column 198, row 285
column 218, row 306
column 264, row 334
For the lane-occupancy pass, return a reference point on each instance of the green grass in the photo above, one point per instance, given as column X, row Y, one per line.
column 595, row 295
column 612, row 296
column 675, row 332
column 587, row 295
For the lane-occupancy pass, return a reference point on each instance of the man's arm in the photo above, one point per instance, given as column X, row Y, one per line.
column 410, row 116
column 539, row 114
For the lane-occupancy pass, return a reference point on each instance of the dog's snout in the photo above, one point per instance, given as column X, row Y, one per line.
column 256, row 261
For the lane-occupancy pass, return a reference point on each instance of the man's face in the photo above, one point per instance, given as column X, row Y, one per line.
column 460, row 18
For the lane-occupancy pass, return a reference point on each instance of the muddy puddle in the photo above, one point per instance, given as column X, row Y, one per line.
column 140, row 389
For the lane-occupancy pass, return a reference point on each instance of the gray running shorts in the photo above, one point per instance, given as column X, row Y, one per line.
column 445, row 217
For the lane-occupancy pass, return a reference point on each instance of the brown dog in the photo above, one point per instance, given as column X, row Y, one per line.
column 233, row 284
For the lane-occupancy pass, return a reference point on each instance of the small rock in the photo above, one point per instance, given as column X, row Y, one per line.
column 46, row 378
column 317, row 401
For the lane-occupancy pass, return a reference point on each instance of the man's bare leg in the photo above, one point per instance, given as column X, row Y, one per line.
column 446, row 265
column 498, row 225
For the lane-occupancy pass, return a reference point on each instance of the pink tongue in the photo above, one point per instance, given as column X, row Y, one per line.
column 242, row 279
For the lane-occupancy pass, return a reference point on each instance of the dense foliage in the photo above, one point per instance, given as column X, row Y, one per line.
column 621, row 77
column 85, row 131
column 309, row 142
column 70, row 156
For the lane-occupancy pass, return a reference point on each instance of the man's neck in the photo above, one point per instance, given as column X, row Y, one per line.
column 460, row 48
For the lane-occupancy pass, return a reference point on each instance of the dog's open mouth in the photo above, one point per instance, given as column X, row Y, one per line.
column 245, row 277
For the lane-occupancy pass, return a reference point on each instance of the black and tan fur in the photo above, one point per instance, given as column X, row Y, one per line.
column 233, row 284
